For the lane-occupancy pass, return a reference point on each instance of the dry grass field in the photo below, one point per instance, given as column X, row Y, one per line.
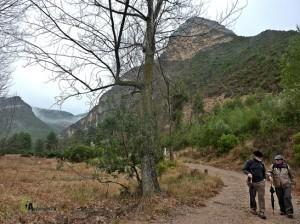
column 66, row 196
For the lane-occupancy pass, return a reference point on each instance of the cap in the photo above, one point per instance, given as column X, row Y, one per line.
column 278, row 157
column 258, row 154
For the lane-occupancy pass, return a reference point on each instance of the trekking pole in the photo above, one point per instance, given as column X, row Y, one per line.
column 272, row 191
column 250, row 180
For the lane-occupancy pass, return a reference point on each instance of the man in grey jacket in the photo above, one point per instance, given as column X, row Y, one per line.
column 281, row 175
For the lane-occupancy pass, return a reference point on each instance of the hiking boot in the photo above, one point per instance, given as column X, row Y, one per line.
column 282, row 213
column 253, row 211
column 262, row 215
column 290, row 216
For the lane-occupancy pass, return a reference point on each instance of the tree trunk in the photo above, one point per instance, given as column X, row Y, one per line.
column 150, row 183
column 149, row 177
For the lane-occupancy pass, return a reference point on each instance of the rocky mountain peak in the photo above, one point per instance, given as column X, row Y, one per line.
column 193, row 36
column 10, row 102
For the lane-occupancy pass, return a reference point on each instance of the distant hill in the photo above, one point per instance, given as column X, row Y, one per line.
column 56, row 119
column 17, row 116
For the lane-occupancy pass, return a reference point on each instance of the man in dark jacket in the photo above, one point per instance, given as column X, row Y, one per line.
column 256, row 172
column 281, row 175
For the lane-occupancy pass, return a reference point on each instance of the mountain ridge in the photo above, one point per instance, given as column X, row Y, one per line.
column 56, row 119
column 18, row 116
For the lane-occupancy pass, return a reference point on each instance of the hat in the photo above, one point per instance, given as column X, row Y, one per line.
column 258, row 154
column 278, row 157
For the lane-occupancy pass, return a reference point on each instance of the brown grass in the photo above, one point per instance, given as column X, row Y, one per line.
column 78, row 200
column 180, row 186
column 190, row 186
column 37, row 180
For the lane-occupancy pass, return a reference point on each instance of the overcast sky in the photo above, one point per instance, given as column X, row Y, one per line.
column 31, row 83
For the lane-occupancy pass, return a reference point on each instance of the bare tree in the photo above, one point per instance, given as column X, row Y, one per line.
column 89, row 45
column 10, row 13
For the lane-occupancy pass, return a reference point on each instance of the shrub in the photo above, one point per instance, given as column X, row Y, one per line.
column 213, row 130
column 217, row 108
column 195, row 136
column 227, row 142
column 54, row 154
column 296, row 138
column 253, row 123
column 267, row 125
column 297, row 154
column 235, row 103
column 163, row 166
column 80, row 153
column 250, row 100
column 180, row 139
column 198, row 104
column 244, row 152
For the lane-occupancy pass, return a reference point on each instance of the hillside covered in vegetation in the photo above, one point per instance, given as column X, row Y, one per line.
column 237, row 67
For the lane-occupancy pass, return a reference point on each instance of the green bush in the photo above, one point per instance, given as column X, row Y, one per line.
column 54, row 154
column 179, row 139
column 80, row 153
column 267, row 125
column 231, row 104
column 164, row 165
column 227, row 142
column 296, row 138
column 297, row 154
column 213, row 130
column 250, row 100
column 253, row 123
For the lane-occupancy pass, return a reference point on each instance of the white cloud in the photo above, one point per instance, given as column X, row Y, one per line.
column 33, row 85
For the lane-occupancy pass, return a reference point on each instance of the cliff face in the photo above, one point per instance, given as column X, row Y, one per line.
column 194, row 35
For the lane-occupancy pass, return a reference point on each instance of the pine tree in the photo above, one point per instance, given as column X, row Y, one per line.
column 51, row 141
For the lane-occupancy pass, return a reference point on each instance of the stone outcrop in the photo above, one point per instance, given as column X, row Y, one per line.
column 194, row 35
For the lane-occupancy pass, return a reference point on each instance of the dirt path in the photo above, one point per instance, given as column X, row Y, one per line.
column 231, row 204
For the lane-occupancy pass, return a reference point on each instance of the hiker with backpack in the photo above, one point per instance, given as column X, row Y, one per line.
column 281, row 176
column 256, row 180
